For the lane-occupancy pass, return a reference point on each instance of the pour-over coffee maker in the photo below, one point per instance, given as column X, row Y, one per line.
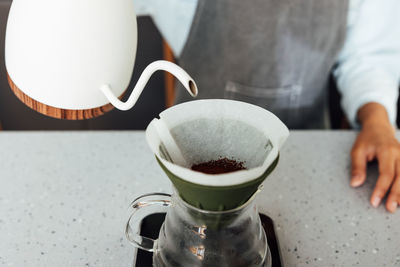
column 212, row 219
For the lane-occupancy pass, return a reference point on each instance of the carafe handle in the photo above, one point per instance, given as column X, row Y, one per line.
column 143, row 206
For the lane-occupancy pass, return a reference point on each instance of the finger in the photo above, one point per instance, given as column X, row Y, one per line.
column 358, row 165
column 386, row 161
column 394, row 196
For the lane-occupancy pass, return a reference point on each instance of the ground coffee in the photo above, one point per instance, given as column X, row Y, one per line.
column 223, row 165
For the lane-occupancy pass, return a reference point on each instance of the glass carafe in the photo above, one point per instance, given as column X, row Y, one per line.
column 195, row 237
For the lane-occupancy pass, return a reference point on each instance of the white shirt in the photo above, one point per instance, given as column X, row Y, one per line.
column 368, row 67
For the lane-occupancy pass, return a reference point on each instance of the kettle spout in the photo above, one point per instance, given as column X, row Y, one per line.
column 174, row 69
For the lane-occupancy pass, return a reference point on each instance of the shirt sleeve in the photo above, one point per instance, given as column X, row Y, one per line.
column 368, row 67
column 143, row 7
column 173, row 19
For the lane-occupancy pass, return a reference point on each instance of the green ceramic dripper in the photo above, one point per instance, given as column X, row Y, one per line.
column 204, row 130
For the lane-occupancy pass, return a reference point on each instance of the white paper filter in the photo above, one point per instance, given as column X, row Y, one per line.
column 204, row 130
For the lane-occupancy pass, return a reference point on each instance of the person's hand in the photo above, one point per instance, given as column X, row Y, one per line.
column 377, row 140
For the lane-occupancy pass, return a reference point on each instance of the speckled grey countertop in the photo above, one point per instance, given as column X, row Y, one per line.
column 64, row 198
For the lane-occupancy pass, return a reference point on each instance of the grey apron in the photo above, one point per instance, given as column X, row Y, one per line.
column 273, row 53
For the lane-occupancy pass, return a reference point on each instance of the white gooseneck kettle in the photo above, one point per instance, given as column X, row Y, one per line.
column 71, row 58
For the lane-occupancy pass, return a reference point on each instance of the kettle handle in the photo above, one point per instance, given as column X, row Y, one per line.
column 158, row 202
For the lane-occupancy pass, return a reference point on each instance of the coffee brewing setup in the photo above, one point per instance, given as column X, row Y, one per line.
column 74, row 68
column 212, row 219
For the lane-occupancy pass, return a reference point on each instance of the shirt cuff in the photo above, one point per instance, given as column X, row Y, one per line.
column 375, row 88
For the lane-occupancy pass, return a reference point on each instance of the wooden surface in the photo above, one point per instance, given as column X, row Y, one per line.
column 66, row 114
column 169, row 78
